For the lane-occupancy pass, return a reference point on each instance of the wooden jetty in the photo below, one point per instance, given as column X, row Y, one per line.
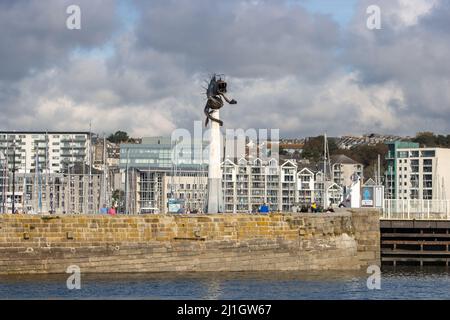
column 415, row 242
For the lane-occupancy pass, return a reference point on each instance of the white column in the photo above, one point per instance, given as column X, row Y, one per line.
column 215, row 204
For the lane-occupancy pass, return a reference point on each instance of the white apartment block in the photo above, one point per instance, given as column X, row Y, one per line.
column 249, row 184
column 50, row 152
column 284, row 187
column 306, row 185
column 420, row 173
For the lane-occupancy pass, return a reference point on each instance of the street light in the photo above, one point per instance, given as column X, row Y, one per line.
column 14, row 177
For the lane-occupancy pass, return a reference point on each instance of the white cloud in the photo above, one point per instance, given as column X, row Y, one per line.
column 409, row 11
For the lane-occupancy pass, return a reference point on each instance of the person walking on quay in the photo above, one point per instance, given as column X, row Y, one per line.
column 104, row 209
column 264, row 208
column 314, row 207
column 112, row 211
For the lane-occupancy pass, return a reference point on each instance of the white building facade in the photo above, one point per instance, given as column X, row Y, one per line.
column 421, row 173
column 50, row 152
column 283, row 187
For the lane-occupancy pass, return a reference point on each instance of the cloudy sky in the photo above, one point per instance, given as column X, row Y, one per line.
column 305, row 66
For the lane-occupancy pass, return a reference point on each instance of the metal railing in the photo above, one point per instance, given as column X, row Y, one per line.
column 418, row 209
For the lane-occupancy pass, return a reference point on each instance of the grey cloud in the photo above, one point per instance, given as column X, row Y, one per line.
column 413, row 56
column 34, row 34
column 287, row 68
column 242, row 38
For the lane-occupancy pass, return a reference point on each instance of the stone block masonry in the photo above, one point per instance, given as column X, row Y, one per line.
column 220, row 242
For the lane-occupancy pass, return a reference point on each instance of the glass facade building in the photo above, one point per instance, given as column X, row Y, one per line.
column 162, row 153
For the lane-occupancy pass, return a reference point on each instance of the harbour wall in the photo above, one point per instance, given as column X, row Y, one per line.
column 220, row 242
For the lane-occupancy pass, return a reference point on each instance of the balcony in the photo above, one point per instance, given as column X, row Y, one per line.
column 73, row 154
column 390, row 155
column 79, row 139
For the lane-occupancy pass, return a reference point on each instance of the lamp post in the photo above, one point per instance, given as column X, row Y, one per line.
column 14, row 177
column 126, row 182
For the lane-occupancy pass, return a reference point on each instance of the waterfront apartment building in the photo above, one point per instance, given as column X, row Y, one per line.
column 57, row 193
column 249, row 184
column 50, row 152
column 3, row 180
column 156, row 178
column 283, row 186
column 343, row 170
column 417, row 173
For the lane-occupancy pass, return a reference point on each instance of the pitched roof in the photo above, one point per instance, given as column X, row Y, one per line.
column 342, row 158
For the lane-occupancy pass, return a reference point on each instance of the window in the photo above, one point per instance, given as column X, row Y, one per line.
column 428, row 153
column 427, row 194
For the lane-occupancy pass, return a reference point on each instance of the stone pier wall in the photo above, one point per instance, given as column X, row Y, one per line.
column 156, row 243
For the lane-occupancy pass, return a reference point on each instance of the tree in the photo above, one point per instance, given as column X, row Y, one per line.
column 313, row 148
column 118, row 137
column 429, row 139
column 425, row 139
column 118, row 197
column 282, row 151
column 368, row 157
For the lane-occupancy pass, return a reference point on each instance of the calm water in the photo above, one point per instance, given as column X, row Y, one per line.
column 395, row 284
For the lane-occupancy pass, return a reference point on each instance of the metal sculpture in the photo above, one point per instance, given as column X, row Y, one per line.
column 216, row 90
column 215, row 93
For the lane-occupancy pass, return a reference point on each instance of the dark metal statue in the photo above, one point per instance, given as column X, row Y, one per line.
column 215, row 92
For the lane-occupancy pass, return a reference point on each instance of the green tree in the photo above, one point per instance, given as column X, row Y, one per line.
column 426, row 139
column 118, row 137
column 368, row 157
column 429, row 139
column 313, row 148
column 118, row 197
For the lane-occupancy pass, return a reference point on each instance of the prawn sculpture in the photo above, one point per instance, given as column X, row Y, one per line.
column 215, row 92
